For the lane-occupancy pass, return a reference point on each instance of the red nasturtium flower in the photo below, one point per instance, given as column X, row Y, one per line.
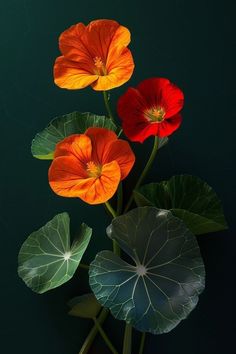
column 151, row 109
column 90, row 165
column 95, row 55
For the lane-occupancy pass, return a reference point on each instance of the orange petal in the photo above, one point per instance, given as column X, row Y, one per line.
column 121, row 152
column 68, row 179
column 78, row 145
column 119, row 64
column 72, row 75
column 120, row 41
column 101, row 139
column 119, row 70
column 65, row 175
column 100, row 190
column 98, row 37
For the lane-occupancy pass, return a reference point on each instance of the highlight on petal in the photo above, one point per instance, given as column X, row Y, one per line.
column 151, row 109
column 95, row 54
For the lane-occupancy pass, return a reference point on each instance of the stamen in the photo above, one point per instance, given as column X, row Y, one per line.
column 93, row 170
column 155, row 114
column 100, row 67
column 98, row 62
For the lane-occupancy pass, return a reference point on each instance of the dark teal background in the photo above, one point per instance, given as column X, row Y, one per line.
column 193, row 44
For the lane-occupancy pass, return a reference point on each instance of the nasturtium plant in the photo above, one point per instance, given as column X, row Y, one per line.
column 161, row 283
column 85, row 306
column 47, row 259
column 156, row 281
column 187, row 197
column 44, row 143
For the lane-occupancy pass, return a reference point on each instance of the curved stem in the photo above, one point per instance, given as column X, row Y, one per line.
column 145, row 172
column 92, row 334
column 142, row 343
column 104, row 336
column 127, row 344
column 108, row 108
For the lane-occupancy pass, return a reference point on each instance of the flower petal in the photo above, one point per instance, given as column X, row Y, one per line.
column 101, row 189
column 101, row 139
column 168, row 126
column 66, row 174
column 121, row 152
column 141, row 131
column 78, row 145
column 70, row 74
column 161, row 92
column 65, row 182
column 120, row 69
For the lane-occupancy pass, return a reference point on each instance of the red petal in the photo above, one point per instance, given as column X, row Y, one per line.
column 168, row 126
column 161, row 92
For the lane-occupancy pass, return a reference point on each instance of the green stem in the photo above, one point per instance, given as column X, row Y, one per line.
column 116, row 247
column 119, row 199
column 104, row 336
column 83, row 266
column 108, row 108
column 142, row 343
column 110, row 209
column 145, row 172
column 92, row 334
column 127, row 344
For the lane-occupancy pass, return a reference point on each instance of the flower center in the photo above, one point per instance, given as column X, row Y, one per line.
column 155, row 114
column 100, row 68
column 93, row 170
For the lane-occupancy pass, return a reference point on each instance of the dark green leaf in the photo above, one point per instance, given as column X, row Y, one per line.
column 187, row 197
column 163, row 285
column 85, row 306
column 44, row 143
column 47, row 259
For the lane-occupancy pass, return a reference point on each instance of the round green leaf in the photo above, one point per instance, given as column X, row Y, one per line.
column 44, row 143
column 85, row 306
column 187, row 197
column 162, row 285
column 47, row 259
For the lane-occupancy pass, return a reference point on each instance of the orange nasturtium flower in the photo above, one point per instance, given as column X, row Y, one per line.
column 95, row 55
column 90, row 165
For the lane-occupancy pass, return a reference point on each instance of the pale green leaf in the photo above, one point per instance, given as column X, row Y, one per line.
column 47, row 259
